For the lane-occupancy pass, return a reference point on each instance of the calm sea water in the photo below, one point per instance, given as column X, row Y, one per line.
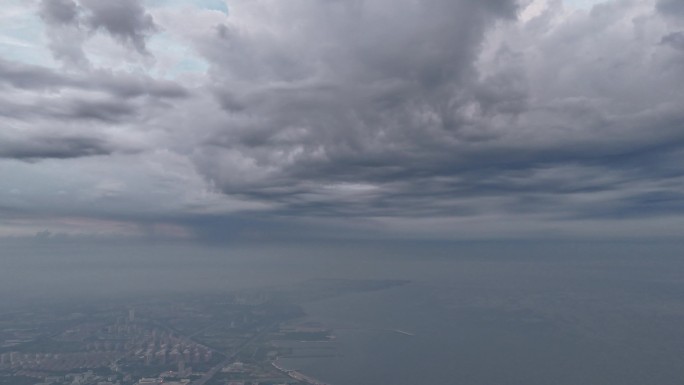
column 517, row 321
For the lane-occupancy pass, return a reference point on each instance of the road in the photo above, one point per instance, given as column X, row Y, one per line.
column 229, row 359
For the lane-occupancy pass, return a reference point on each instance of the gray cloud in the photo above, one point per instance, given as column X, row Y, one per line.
column 126, row 20
column 390, row 125
column 62, row 18
column 675, row 40
column 318, row 115
column 105, row 110
column 118, row 84
column 53, row 147
column 28, row 77
column 670, row 7
column 131, row 86
column 46, row 113
column 70, row 25
column 59, row 11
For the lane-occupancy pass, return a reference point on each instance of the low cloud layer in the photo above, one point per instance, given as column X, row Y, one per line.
column 363, row 118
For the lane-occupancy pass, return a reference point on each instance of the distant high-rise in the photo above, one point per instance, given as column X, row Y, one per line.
column 131, row 315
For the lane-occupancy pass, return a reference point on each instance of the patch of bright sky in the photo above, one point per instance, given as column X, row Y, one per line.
column 174, row 59
column 22, row 35
column 104, row 52
column 537, row 7
column 170, row 57
column 582, row 4
column 216, row 5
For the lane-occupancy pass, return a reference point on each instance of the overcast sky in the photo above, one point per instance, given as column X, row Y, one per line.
column 261, row 119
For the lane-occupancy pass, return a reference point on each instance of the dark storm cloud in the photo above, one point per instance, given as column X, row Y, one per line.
column 46, row 113
column 64, row 34
column 28, row 77
column 52, row 147
column 401, row 107
column 352, row 111
column 126, row 20
column 671, row 7
column 69, row 24
column 105, row 110
column 121, row 85
column 390, row 72
column 675, row 40
column 59, row 11
column 128, row 86
column 70, row 111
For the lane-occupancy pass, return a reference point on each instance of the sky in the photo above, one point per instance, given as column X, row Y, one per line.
column 213, row 120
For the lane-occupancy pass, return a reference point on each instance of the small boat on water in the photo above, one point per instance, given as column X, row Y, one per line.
column 403, row 332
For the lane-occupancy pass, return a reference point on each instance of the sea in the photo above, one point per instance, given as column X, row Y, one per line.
column 541, row 320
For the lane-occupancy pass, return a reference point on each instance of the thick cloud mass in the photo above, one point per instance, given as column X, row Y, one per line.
column 70, row 23
column 45, row 147
column 59, row 11
column 671, row 7
column 438, row 118
column 124, row 19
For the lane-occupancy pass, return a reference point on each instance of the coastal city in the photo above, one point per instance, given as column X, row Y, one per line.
column 208, row 339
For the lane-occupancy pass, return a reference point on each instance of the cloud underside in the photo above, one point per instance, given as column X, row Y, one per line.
column 438, row 116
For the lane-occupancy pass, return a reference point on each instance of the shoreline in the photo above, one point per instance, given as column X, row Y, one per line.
column 296, row 375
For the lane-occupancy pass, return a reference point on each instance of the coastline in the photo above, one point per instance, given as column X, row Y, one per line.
column 296, row 375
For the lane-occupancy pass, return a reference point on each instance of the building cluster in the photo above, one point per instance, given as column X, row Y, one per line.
column 56, row 361
column 81, row 378
column 154, row 346
column 165, row 348
column 101, row 345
